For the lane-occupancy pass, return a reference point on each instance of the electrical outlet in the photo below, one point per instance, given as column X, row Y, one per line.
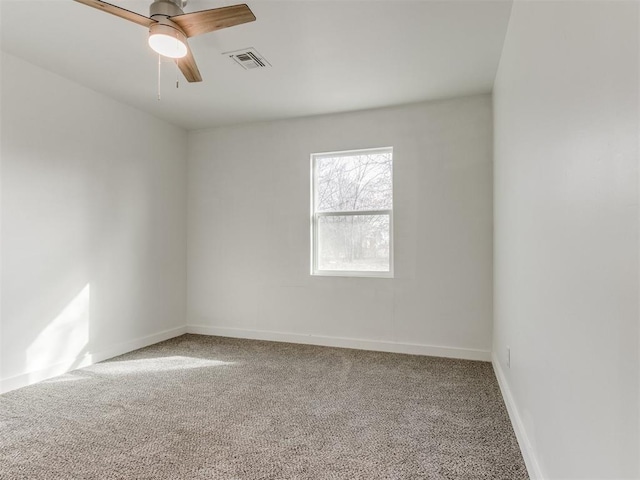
column 508, row 357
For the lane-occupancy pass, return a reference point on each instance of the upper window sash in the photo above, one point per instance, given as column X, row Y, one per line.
column 346, row 183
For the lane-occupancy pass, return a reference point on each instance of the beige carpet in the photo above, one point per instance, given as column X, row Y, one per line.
column 198, row 407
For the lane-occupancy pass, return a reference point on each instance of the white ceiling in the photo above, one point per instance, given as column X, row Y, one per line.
column 327, row 55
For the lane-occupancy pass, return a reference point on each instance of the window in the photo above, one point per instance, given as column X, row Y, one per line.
column 352, row 213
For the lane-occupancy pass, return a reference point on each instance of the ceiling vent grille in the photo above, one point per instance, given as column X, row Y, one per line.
column 248, row 58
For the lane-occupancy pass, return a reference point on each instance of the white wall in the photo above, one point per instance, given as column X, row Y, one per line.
column 566, row 235
column 93, row 225
column 0, row 211
column 248, row 238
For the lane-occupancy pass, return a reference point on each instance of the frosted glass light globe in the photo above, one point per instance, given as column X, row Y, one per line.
column 167, row 40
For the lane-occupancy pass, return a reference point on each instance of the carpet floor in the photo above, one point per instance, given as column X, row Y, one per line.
column 199, row 407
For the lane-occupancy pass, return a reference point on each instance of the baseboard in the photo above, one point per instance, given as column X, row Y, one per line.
column 86, row 359
column 528, row 453
column 375, row 345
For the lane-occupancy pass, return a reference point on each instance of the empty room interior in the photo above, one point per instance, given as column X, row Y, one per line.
column 319, row 239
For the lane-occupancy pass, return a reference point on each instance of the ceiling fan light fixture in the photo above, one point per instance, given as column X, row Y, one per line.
column 169, row 27
column 167, row 41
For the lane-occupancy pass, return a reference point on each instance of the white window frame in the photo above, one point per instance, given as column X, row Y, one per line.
column 315, row 215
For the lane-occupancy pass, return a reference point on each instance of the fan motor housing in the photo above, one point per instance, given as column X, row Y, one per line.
column 166, row 8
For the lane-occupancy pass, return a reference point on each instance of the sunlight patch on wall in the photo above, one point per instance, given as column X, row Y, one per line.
column 65, row 337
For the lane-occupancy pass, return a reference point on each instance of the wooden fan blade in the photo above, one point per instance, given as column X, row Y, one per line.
column 119, row 12
column 188, row 67
column 205, row 21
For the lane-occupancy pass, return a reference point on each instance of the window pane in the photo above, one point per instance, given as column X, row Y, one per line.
column 353, row 243
column 354, row 182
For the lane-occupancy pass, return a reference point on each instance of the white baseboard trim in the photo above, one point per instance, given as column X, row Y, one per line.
column 86, row 359
column 528, row 453
column 375, row 345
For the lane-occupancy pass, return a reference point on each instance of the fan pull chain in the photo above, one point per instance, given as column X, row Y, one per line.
column 159, row 64
column 177, row 74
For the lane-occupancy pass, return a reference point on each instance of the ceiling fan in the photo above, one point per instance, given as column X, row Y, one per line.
column 169, row 27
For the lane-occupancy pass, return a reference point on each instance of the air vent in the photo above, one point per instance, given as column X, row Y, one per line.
column 248, row 58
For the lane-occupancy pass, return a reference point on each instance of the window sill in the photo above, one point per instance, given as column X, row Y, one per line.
column 330, row 273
